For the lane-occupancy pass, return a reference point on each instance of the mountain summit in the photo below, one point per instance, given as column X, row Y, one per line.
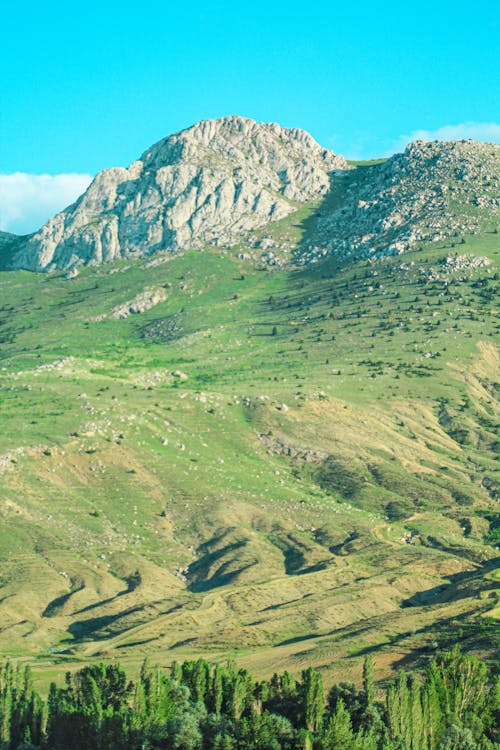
column 221, row 182
column 205, row 185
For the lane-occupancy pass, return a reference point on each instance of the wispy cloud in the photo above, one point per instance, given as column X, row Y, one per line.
column 477, row 131
column 28, row 200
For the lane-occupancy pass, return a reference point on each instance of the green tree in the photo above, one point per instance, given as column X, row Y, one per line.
column 369, row 680
column 185, row 733
column 339, row 734
column 313, row 699
column 432, row 715
column 458, row 738
column 461, row 682
column 216, row 693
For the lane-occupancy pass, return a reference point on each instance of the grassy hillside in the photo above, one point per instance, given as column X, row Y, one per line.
column 294, row 467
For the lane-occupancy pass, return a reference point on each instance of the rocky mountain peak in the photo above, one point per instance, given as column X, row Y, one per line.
column 431, row 191
column 228, row 135
column 208, row 184
column 216, row 182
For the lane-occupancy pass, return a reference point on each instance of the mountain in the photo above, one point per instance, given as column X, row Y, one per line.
column 208, row 184
column 282, row 450
column 9, row 244
column 431, row 192
column 220, row 181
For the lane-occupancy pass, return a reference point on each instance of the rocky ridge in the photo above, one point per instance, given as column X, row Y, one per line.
column 432, row 191
column 142, row 302
column 223, row 182
column 206, row 185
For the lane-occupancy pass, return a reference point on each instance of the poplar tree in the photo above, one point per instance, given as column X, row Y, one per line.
column 216, row 692
column 369, row 680
column 417, row 724
column 6, row 691
column 432, row 715
column 313, row 699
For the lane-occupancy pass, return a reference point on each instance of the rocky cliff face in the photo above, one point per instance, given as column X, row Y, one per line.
column 206, row 185
column 216, row 182
column 432, row 191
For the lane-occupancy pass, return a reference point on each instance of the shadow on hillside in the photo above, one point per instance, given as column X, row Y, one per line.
column 342, row 196
column 96, row 628
column 457, row 588
column 199, row 573
column 54, row 607
column 133, row 582
column 333, row 201
column 436, row 595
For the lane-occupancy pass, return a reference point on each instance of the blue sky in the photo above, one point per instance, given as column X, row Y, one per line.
column 88, row 86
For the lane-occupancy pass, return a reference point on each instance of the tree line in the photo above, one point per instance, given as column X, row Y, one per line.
column 454, row 704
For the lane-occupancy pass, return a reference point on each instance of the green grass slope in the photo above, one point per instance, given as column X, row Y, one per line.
column 293, row 467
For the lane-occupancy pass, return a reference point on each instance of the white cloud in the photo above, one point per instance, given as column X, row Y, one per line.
column 478, row 131
column 28, row 200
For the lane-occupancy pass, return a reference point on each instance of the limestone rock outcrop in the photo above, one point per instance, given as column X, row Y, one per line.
column 432, row 191
column 144, row 301
column 206, row 185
